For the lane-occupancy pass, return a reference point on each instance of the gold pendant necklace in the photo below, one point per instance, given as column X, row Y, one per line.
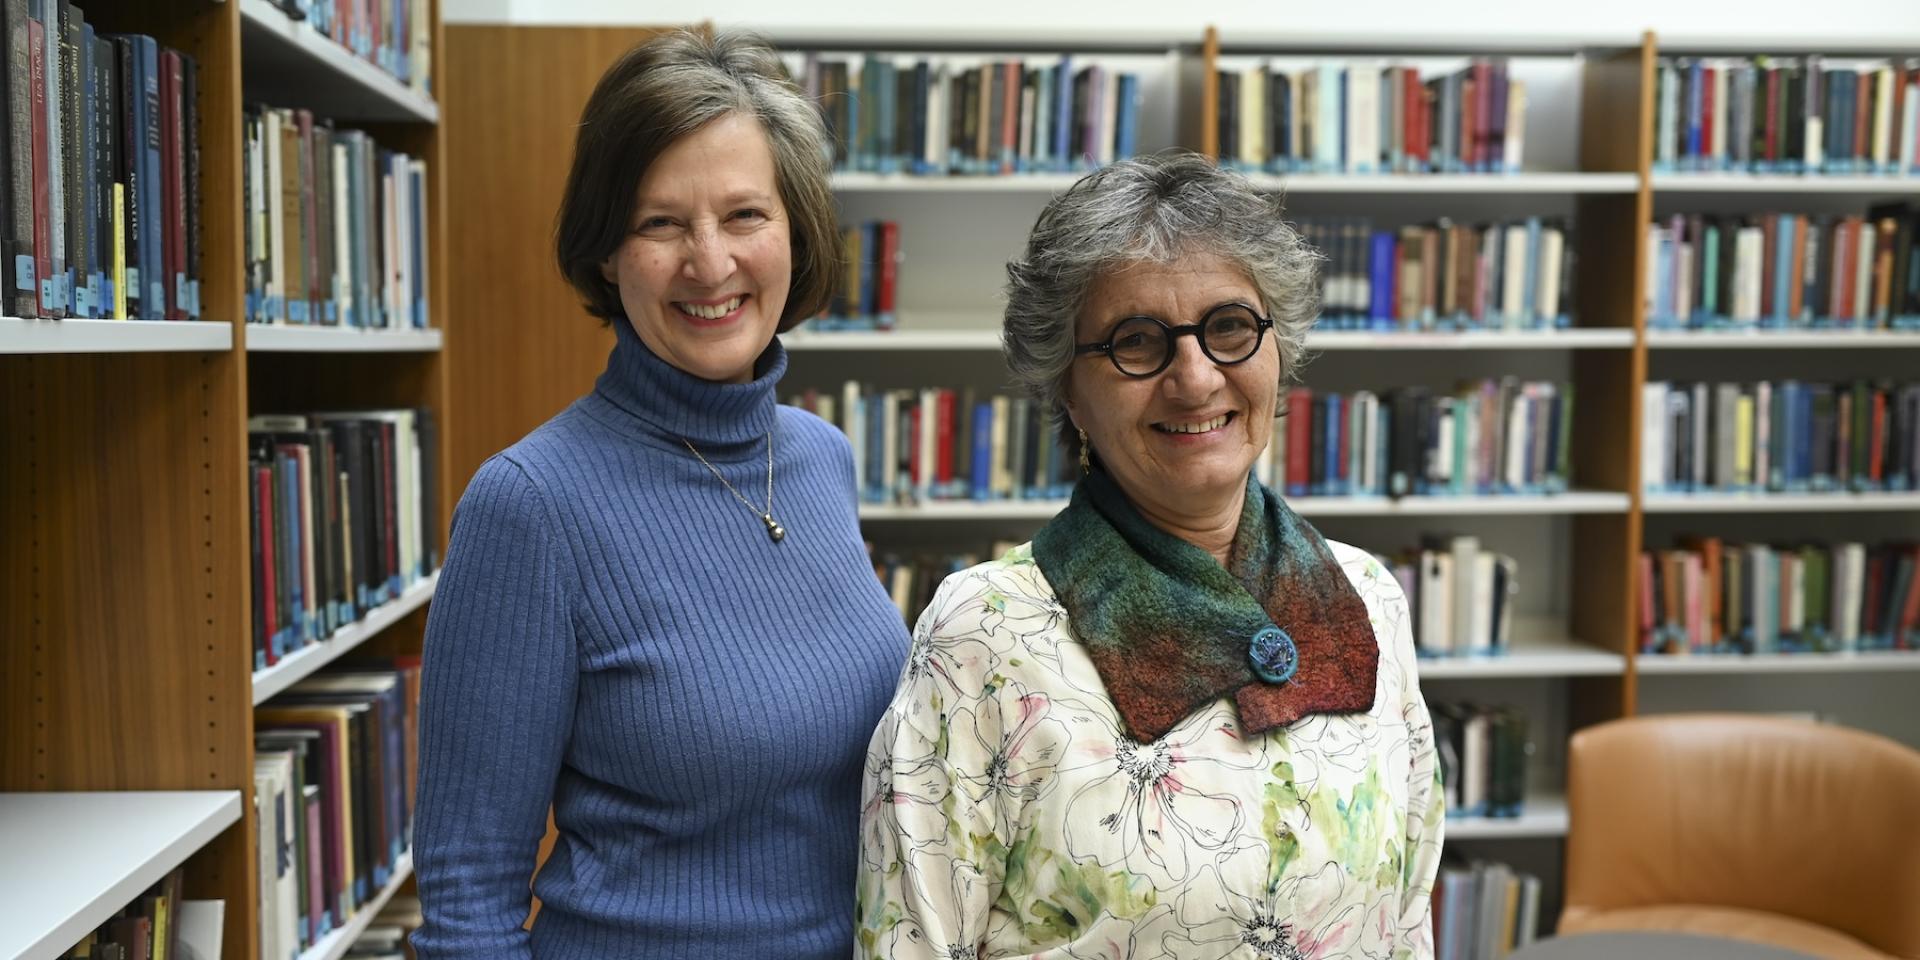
column 775, row 531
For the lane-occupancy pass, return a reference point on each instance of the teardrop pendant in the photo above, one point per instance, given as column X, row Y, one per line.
column 774, row 529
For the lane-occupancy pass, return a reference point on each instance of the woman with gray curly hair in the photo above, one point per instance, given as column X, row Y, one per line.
column 1179, row 723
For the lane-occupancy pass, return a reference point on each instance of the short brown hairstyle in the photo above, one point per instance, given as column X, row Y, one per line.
column 661, row 90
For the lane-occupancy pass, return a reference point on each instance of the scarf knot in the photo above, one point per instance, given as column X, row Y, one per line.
column 1279, row 628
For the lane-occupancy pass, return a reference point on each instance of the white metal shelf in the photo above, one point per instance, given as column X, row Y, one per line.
column 984, row 339
column 1578, row 501
column 69, row 861
column 1684, row 183
column 300, row 664
column 1529, row 657
column 1779, row 502
column 291, row 64
column 335, row 944
column 1482, row 184
column 1782, row 339
column 1795, row 663
column 1475, row 184
column 1575, row 339
column 1540, row 817
column 281, row 338
column 113, row 336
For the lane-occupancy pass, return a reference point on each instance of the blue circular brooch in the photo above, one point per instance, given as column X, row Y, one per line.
column 1274, row 657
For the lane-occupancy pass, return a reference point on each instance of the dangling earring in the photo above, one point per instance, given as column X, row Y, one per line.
column 1086, row 464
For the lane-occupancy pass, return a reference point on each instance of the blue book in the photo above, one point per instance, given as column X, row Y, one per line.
column 1334, row 466
column 1696, row 77
column 1063, row 114
column 1530, row 282
column 876, row 413
column 153, row 305
column 1380, row 281
column 982, row 450
column 1128, row 116
column 922, row 94
column 1785, row 241
column 887, row 157
column 419, row 248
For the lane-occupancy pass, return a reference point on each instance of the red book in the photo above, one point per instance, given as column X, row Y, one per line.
column 1706, row 111
column 1299, row 439
column 1843, row 443
column 263, row 489
column 943, row 440
column 1010, row 128
column 42, row 216
column 1646, row 601
column 914, row 426
column 1468, row 104
column 889, row 267
column 1483, row 112
column 1769, row 237
column 1910, row 615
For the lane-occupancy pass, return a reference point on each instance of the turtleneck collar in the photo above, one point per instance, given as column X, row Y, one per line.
column 673, row 404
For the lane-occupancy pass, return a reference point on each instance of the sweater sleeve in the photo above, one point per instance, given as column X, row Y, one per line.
column 496, row 713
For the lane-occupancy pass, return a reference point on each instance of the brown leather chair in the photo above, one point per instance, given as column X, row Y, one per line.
column 1796, row 834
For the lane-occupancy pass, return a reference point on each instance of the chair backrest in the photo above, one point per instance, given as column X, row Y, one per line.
column 1804, row 820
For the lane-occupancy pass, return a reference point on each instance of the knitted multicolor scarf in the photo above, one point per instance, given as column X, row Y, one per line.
column 1170, row 629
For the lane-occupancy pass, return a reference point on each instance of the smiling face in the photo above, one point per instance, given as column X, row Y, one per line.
column 1179, row 443
column 704, row 273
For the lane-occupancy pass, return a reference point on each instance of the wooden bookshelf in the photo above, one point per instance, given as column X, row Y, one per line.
column 127, row 664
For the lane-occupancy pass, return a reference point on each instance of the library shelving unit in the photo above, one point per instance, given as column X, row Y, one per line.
column 125, row 612
column 1589, row 147
column 1868, row 689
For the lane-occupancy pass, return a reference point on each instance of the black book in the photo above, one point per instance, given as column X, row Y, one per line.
column 921, row 100
column 132, row 140
column 190, row 179
column 1794, row 94
column 16, row 231
column 1229, row 119
column 72, row 147
column 1403, row 458
column 429, row 440
column 105, row 161
column 1279, row 114
column 258, row 567
column 905, row 105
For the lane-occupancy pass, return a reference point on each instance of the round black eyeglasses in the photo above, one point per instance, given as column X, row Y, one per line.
column 1143, row 346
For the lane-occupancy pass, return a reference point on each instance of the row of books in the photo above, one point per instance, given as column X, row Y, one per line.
column 1372, row 118
column 1787, row 115
column 1706, row 596
column 1462, row 595
column 100, row 182
column 336, row 225
column 918, row 446
column 1483, row 758
column 911, row 579
column 1443, row 275
column 960, row 115
column 335, row 760
column 865, row 300
column 160, row 924
column 394, row 35
column 1483, row 910
column 344, row 518
column 1785, row 435
column 1504, row 436
column 1785, row 271
column 386, row 937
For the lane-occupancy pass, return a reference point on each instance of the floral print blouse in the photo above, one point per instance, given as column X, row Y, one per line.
column 1007, row 814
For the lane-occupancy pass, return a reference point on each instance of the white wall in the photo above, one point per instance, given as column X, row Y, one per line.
column 1615, row 21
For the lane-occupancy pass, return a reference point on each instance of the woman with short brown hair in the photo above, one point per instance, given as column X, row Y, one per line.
column 657, row 616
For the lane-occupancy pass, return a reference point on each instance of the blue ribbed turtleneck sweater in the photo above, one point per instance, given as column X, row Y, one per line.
column 615, row 634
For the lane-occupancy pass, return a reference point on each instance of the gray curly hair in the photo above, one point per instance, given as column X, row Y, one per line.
column 1155, row 209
